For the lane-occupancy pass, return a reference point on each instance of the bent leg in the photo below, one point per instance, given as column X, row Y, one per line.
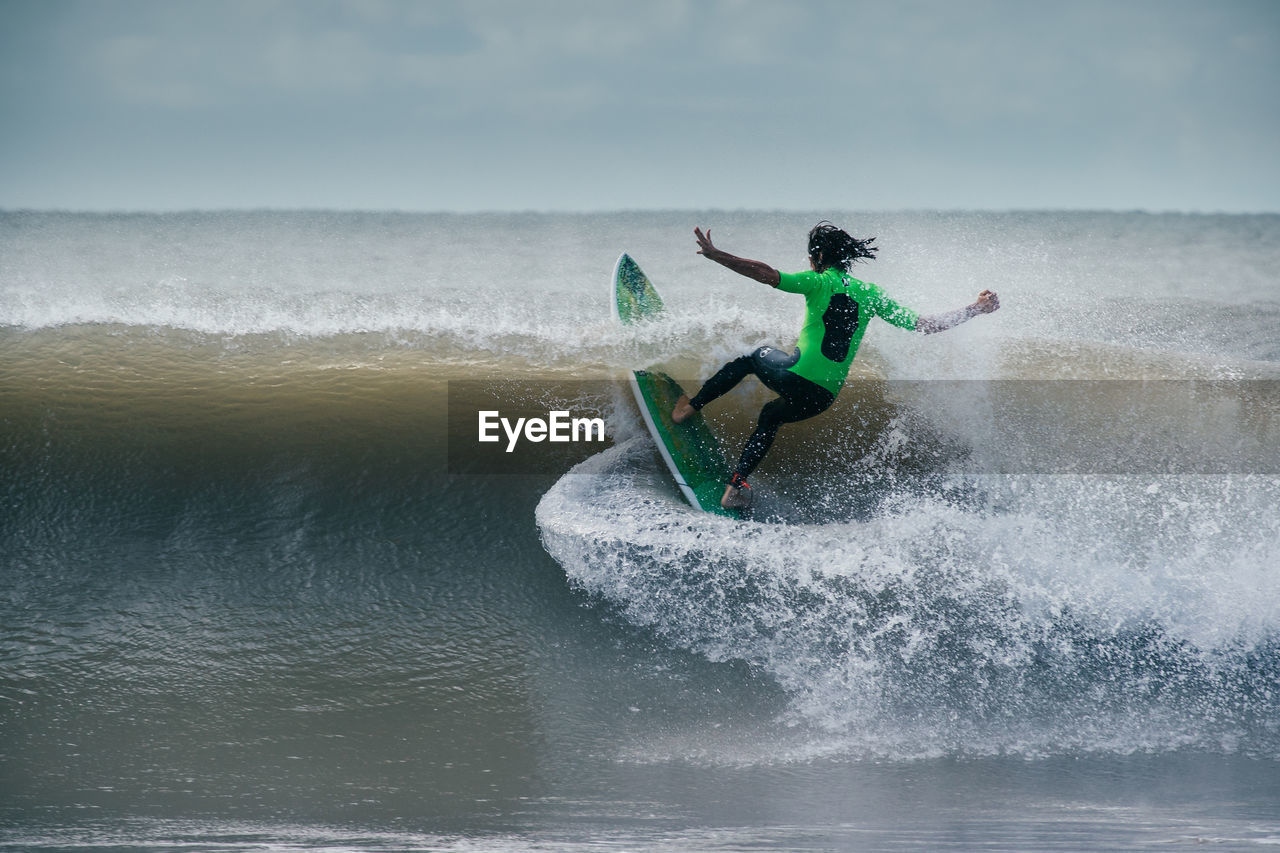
column 798, row 399
column 774, row 414
column 723, row 380
column 805, row 400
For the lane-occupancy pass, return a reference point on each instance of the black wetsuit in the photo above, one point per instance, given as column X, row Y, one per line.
column 798, row 398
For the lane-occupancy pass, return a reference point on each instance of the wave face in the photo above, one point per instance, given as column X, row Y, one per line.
column 248, row 406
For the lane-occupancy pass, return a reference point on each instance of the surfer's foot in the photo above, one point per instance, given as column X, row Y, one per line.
column 683, row 410
column 737, row 495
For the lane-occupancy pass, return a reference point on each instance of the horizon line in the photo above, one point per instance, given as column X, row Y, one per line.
column 260, row 209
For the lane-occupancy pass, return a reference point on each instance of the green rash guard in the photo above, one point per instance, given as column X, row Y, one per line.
column 837, row 309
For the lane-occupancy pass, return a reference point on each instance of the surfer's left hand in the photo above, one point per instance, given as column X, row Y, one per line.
column 705, row 247
column 987, row 302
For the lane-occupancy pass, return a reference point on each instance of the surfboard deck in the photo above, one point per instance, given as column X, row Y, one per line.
column 690, row 450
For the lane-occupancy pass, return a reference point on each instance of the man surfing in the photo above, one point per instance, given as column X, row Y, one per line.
column 838, row 309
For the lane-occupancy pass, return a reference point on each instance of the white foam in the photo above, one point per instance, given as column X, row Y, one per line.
column 1058, row 614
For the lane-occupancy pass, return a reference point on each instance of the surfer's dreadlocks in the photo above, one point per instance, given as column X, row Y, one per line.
column 833, row 247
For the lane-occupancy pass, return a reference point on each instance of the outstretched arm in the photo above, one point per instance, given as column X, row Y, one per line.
column 987, row 302
column 758, row 270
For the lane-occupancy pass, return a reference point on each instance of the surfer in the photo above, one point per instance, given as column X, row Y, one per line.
column 838, row 308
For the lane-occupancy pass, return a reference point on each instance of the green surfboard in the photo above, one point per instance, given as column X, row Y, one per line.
column 690, row 450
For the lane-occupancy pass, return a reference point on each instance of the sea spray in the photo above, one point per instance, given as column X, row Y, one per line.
column 1037, row 624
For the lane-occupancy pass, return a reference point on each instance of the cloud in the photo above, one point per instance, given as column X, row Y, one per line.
column 138, row 70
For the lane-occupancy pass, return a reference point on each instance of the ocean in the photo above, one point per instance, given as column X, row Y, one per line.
column 263, row 588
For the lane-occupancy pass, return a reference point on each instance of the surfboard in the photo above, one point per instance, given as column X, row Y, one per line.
column 690, row 450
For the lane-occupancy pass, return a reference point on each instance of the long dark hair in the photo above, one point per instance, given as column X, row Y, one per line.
column 833, row 247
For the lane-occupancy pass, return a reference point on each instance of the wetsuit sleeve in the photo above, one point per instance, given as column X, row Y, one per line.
column 797, row 282
column 890, row 311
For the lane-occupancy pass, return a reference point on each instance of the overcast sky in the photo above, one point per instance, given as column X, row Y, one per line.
column 600, row 105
